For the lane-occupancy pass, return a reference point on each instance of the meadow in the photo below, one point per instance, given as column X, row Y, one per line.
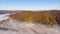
column 47, row 17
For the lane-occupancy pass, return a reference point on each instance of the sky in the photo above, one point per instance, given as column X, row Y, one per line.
column 29, row 4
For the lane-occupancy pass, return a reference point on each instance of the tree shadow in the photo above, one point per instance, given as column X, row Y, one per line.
column 58, row 20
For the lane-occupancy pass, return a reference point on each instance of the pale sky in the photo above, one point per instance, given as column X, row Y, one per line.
column 29, row 4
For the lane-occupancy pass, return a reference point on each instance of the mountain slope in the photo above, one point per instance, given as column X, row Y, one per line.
column 49, row 17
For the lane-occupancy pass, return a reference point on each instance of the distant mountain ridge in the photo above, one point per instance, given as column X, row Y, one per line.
column 8, row 11
column 15, row 11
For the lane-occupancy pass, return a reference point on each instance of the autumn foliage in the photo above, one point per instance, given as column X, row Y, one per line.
column 44, row 17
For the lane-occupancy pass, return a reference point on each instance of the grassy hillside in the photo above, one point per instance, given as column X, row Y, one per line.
column 47, row 17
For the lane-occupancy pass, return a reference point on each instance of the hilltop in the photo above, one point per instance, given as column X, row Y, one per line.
column 48, row 17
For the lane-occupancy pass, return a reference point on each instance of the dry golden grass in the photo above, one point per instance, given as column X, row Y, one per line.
column 43, row 17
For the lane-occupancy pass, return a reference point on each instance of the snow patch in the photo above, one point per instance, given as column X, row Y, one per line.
column 28, row 28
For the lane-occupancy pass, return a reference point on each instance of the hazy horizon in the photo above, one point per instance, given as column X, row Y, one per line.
column 29, row 4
